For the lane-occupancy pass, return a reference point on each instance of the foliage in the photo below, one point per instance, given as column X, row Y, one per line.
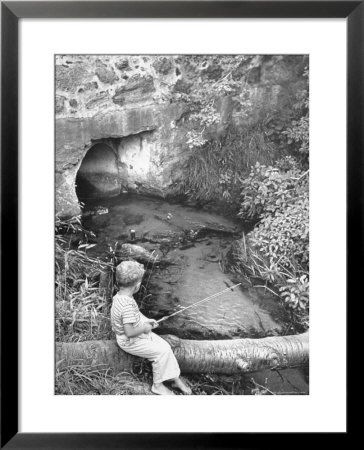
column 217, row 160
column 277, row 250
column 269, row 189
column 216, row 81
column 82, row 308
column 84, row 379
column 297, row 132
column 296, row 292
column 215, row 172
column 288, row 127
column 284, row 235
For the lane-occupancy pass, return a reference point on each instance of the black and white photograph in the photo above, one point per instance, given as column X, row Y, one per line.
column 181, row 224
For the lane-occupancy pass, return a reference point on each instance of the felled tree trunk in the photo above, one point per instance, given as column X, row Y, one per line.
column 222, row 356
column 240, row 355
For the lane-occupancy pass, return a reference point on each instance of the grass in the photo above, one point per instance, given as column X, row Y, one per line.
column 213, row 173
column 83, row 379
column 90, row 380
column 82, row 307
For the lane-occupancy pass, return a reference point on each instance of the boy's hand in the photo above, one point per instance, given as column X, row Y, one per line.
column 147, row 327
column 154, row 323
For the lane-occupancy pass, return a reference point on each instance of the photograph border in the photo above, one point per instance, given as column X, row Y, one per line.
column 11, row 13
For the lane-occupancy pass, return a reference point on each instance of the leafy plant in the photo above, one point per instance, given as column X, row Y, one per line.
column 268, row 189
column 277, row 249
column 297, row 132
column 216, row 164
column 215, row 78
column 295, row 294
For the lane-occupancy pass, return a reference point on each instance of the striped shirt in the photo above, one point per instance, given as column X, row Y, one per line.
column 124, row 310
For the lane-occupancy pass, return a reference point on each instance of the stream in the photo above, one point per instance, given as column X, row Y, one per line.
column 188, row 247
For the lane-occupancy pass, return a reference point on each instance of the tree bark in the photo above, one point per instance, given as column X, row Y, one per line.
column 221, row 356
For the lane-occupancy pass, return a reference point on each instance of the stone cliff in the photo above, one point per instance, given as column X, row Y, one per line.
column 121, row 128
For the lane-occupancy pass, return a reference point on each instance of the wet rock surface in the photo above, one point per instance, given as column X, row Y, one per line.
column 182, row 249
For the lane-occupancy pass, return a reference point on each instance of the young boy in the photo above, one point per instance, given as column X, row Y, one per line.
column 133, row 331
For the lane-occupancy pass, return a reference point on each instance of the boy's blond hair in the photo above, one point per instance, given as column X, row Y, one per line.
column 129, row 273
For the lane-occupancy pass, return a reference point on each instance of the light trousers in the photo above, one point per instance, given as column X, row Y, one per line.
column 155, row 349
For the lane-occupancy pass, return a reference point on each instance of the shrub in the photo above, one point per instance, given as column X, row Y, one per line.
column 277, row 250
column 269, row 189
column 215, row 77
column 297, row 132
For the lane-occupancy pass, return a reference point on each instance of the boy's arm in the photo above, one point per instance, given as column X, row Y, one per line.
column 132, row 331
column 129, row 318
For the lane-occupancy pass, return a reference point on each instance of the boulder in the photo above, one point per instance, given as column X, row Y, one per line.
column 135, row 252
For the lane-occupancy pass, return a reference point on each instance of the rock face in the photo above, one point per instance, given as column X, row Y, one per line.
column 119, row 128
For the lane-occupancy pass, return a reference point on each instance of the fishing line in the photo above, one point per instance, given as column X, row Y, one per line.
column 200, row 301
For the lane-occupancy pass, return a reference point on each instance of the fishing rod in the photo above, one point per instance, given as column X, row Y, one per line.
column 230, row 288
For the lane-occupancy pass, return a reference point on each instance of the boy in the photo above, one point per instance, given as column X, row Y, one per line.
column 134, row 331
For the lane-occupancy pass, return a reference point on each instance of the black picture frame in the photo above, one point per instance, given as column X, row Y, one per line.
column 11, row 12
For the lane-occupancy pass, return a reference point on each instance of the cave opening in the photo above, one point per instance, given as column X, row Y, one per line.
column 98, row 175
